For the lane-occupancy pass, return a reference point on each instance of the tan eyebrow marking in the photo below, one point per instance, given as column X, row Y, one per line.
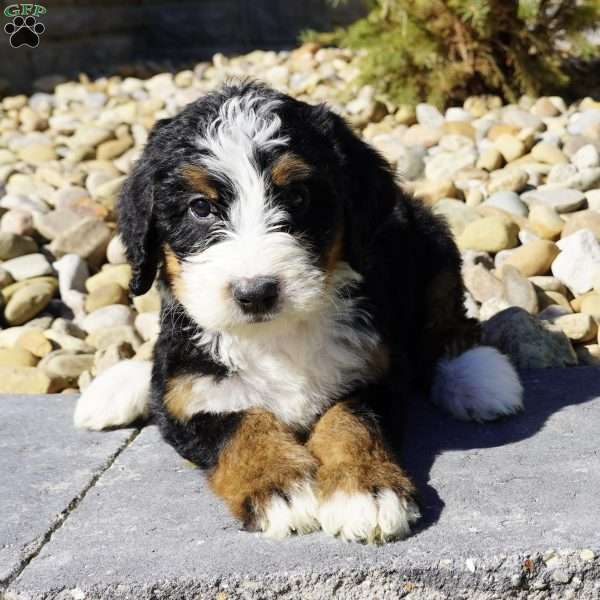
column 199, row 180
column 289, row 167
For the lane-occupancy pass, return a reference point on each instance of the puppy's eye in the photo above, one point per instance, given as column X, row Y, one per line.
column 299, row 197
column 200, row 208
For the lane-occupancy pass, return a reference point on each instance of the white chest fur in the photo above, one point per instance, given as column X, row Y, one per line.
column 295, row 374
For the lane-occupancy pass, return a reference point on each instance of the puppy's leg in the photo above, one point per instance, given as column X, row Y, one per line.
column 253, row 460
column 363, row 493
column 266, row 477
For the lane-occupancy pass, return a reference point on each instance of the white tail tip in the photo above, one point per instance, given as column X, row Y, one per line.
column 117, row 397
column 479, row 385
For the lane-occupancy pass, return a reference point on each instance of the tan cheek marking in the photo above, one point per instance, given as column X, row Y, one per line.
column 177, row 396
column 199, row 180
column 288, row 168
column 173, row 270
column 334, row 255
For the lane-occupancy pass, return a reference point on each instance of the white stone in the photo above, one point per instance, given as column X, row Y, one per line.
column 115, row 253
column 579, row 122
column 521, row 118
column 72, row 273
column 67, row 195
column 454, row 142
column 96, row 179
column 114, row 315
column 147, row 324
column 526, row 236
column 508, row 201
column 578, row 264
column 457, row 214
column 492, row 307
column 75, row 300
column 502, row 256
column 28, row 266
column 586, row 157
column 19, row 201
column 429, row 115
column 445, row 164
column 577, row 327
column 359, row 105
column 562, row 200
column 456, row 113
column 9, row 336
column 407, row 159
column 593, row 199
column 471, row 306
column 562, row 173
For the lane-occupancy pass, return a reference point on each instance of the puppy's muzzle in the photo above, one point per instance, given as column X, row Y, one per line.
column 256, row 295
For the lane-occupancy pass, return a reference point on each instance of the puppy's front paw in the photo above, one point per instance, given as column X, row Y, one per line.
column 281, row 514
column 116, row 398
column 368, row 517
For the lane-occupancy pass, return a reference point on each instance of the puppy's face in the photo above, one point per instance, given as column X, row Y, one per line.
column 246, row 208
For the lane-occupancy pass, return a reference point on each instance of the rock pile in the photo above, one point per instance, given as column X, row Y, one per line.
column 519, row 186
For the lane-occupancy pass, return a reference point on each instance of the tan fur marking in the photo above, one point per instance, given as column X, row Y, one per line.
column 335, row 253
column 352, row 456
column 289, row 167
column 261, row 458
column 199, row 180
column 177, row 396
column 173, row 270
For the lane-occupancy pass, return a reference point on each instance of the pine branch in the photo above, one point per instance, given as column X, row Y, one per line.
column 444, row 50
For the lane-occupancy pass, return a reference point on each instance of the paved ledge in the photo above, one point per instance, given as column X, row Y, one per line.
column 509, row 508
column 46, row 466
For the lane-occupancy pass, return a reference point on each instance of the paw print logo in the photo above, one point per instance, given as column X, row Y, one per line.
column 24, row 32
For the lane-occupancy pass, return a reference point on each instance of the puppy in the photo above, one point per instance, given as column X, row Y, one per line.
column 304, row 295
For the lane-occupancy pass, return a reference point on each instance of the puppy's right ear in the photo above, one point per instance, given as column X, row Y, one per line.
column 136, row 217
column 137, row 227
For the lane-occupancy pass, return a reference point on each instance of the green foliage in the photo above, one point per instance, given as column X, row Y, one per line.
column 444, row 50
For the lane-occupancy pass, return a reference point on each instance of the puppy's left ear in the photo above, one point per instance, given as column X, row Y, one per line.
column 369, row 187
column 137, row 227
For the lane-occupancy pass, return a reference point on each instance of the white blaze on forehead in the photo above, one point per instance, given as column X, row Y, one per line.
column 250, row 241
column 245, row 125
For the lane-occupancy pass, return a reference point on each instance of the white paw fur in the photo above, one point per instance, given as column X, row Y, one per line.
column 297, row 514
column 479, row 385
column 364, row 517
column 117, row 397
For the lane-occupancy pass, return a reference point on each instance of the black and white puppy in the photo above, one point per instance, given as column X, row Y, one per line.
column 303, row 296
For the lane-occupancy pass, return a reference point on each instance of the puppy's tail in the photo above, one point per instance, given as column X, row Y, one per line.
column 117, row 397
column 479, row 385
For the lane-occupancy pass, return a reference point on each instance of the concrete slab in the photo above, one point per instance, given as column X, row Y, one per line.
column 511, row 510
column 45, row 467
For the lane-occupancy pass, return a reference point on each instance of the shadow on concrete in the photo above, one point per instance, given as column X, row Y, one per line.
column 429, row 432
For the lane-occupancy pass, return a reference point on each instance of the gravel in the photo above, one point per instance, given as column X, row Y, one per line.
column 519, row 184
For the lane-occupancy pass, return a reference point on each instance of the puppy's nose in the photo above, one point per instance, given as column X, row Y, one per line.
column 256, row 295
